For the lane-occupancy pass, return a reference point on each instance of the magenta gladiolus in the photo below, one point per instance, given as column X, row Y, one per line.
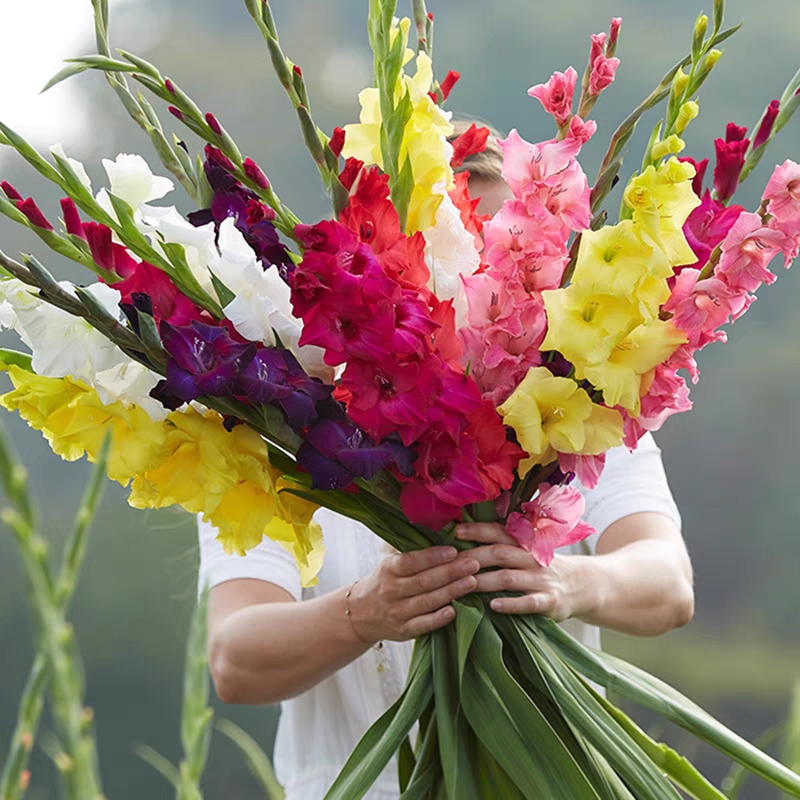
column 550, row 521
column 767, row 123
column 730, row 160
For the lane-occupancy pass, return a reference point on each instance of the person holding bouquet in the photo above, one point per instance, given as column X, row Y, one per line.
column 336, row 656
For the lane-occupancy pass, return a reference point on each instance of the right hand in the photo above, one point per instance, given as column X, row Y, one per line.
column 410, row 594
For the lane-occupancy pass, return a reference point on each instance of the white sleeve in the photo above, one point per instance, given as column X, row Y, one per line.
column 632, row 483
column 266, row 562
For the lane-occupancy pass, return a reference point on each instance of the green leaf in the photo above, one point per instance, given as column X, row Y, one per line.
column 17, row 359
column 257, row 760
column 514, row 729
column 67, row 72
column 225, row 295
column 383, row 739
column 158, row 762
column 637, row 685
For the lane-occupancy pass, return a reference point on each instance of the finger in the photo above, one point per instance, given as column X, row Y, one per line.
column 426, row 603
column 406, row 564
column 526, row 604
column 437, row 577
column 508, row 580
column 484, row 532
column 502, row 555
column 430, row 622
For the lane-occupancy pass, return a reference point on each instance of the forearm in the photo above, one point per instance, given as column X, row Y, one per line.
column 268, row 652
column 643, row 588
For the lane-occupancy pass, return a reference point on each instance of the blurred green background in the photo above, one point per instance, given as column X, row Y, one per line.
column 732, row 462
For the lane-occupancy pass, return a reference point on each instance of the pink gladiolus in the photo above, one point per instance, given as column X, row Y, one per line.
column 530, row 246
column 747, row 251
column 548, row 177
column 699, row 308
column 580, row 131
column 668, row 394
column 783, row 195
column 587, row 469
column 550, row 521
column 598, row 46
column 603, row 72
column 613, row 36
column 557, row 94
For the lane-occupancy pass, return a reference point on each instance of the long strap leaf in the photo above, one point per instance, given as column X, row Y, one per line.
column 635, row 684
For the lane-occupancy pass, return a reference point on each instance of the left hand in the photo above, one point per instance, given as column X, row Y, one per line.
column 550, row 591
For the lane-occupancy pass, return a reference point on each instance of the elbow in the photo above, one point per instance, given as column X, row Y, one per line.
column 683, row 606
column 227, row 685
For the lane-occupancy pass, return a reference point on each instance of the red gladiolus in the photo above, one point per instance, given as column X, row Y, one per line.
column 72, row 219
column 349, row 175
column 253, row 171
column 448, row 83
column 337, row 141
column 10, row 192
column 730, row 160
column 33, row 213
column 471, row 142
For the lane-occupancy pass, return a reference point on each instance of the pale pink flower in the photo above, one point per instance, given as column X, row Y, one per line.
column 587, row 469
column 531, row 246
column 783, row 194
column 747, row 250
column 699, row 308
column 603, row 71
column 549, row 521
column 556, row 95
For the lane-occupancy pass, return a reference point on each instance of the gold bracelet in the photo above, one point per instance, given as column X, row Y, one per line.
column 349, row 614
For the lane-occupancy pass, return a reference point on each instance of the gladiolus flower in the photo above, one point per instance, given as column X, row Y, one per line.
column 253, row 171
column 557, row 94
column 604, row 70
column 470, row 143
column 33, row 213
column 730, row 160
column 747, row 250
column 783, row 194
column 337, row 141
column 550, row 521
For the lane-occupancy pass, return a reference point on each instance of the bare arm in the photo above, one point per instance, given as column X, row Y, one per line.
column 639, row 582
column 265, row 647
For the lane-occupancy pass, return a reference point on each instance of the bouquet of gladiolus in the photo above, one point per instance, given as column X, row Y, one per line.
column 409, row 364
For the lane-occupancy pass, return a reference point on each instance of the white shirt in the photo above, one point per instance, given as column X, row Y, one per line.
column 319, row 729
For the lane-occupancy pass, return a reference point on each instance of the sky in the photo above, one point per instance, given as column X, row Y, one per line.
column 38, row 35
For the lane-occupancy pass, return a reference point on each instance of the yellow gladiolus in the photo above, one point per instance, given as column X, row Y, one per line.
column 687, row 113
column 584, row 326
column 661, row 199
column 668, row 147
column 424, row 142
column 74, row 421
column 554, row 415
column 620, row 376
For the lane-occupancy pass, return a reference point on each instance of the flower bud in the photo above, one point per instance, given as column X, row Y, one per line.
column 10, row 192
column 211, row 120
column 337, row 141
column 700, row 28
column 669, row 147
column 253, row 171
column 679, row 83
column 712, row 56
column 613, row 36
column 688, row 112
column 767, row 124
column 72, row 219
column 33, row 213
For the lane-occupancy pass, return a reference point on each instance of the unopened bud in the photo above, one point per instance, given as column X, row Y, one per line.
column 679, row 83
column 176, row 112
column 211, row 120
column 170, row 86
column 72, row 218
column 688, row 112
column 669, row 147
column 10, row 192
column 712, row 56
column 253, row 171
column 700, row 28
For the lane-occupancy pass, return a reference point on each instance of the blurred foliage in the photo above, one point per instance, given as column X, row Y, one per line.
column 732, row 462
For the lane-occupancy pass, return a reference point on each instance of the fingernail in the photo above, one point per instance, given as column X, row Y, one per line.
column 496, row 605
column 473, row 566
column 449, row 553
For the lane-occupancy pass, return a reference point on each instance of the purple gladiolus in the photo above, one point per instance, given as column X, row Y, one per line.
column 275, row 376
column 204, row 361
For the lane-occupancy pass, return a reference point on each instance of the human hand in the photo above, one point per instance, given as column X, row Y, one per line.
column 555, row 591
column 410, row 594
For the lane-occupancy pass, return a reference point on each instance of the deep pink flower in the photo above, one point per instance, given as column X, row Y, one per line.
column 700, row 168
column 550, row 521
column 498, row 458
column 668, row 394
column 72, row 218
column 10, row 192
column 747, row 251
column 580, row 131
column 598, row 46
column 390, row 397
column 767, row 124
column 422, row 507
column 33, row 213
column 557, row 94
column 707, row 226
column 253, row 171
column 730, row 160
column 167, row 304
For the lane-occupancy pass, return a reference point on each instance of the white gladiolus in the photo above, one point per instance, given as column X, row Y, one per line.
column 80, row 170
column 450, row 253
column 262, row 302
column 130, row 383
column 133, row 182
column 166, row 225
